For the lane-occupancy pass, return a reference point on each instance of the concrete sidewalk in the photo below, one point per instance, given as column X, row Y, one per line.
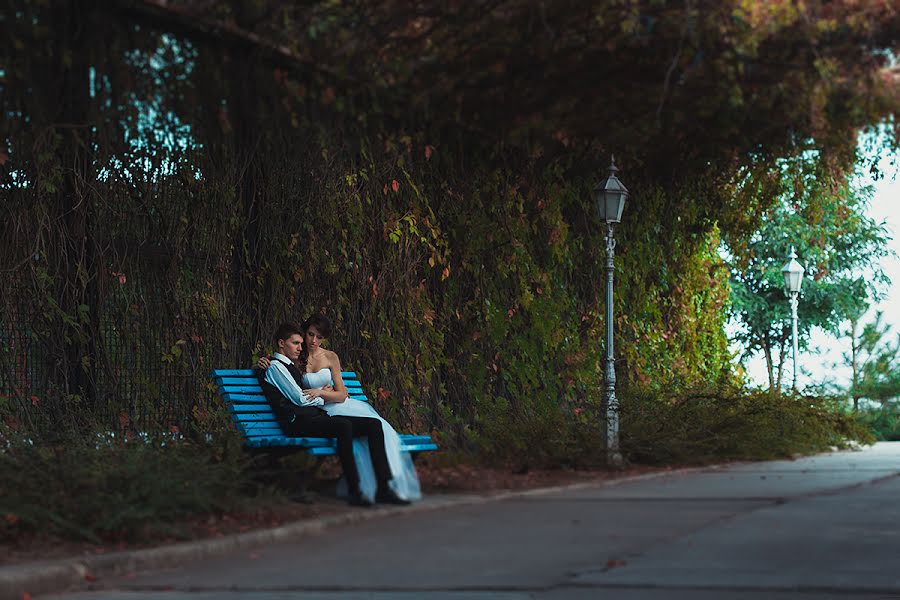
column 818, row 528
column 42, row 577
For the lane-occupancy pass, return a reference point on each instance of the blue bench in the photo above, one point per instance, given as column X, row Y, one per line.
column 256, row 422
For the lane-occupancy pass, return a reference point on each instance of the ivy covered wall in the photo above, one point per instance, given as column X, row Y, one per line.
column 170, row 195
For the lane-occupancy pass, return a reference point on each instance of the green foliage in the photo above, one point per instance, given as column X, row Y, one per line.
column 874, row 361
column 100, row 488
column 883, row 421
column 190, row 194
column 704, row 426
column 835, row 240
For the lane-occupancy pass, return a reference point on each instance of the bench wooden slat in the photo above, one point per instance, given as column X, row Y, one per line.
column 268, row 429
column 231, row 373
column 282, row 440
column 352, row 383
column 237, row 381
column 330, row 451
column 240, row 389
column 353, row 391
column 258, row 424
column 251, row 373
column 235, row 397
column 243, row 398
column 250, row 383
column 254, row 408
column 408, row 438
column 257, row 390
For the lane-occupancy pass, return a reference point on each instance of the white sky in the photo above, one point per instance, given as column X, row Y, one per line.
column 817, row 367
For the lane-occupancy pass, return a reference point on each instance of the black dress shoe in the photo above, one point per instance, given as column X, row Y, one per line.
column 358, row 499
column 389, row 497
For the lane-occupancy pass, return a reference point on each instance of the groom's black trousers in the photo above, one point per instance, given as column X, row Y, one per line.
column 345, row 429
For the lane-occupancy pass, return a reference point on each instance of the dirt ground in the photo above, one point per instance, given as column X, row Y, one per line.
column 318, row 500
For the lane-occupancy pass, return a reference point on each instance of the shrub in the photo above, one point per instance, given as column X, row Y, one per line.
column 731, row 424
column 883, row 421
column 101, row 487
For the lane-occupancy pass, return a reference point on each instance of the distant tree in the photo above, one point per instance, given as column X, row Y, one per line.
column 839, row 245
column 874, row 360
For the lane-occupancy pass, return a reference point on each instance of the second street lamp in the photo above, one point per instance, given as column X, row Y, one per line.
column 793, row 278
column 610, row 196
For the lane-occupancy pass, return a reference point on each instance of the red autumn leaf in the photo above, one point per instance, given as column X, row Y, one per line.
column 11, row 518
column 173, row 428
column 578, row 411
column 383, row 394
column 26, row 596
column 89, row 577
column 615, row 562
column 395, row 185
column 34, row 400
column 122, row 279
column 428, row 152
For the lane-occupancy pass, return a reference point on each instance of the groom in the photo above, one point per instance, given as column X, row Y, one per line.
column 303, row 416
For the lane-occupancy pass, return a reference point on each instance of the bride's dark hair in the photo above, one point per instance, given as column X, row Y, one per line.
column 322, row 325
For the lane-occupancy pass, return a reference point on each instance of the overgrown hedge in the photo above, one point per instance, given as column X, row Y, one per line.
column 101, row 488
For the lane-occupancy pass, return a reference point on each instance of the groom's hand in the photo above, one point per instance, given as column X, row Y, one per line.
column 263, row 363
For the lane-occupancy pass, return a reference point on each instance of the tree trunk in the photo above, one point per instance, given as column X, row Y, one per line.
column 75, row 28
column 780, row 362
column 854, row 380
column 767, row 351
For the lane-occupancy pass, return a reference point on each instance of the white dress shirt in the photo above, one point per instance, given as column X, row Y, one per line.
column 278, row 375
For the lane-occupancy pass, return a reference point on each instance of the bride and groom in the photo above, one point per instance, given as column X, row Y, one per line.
column 303, row 384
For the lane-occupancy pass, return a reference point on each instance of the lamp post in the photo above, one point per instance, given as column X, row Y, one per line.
column 793, row 278
column 610, row 196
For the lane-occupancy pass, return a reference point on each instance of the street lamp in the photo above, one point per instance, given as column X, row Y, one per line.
column 793, row 278
column 610, row 197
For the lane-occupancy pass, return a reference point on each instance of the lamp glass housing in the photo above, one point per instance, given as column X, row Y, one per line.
column 793, row 274
column 610, row 196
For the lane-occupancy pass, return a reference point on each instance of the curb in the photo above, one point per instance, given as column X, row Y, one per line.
column 58, row 575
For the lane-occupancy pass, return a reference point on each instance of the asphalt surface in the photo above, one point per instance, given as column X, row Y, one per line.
column 824, row 527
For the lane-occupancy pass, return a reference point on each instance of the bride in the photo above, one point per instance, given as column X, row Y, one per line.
column 321, row 370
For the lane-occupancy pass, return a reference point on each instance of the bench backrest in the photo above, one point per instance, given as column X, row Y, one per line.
column 248, row 406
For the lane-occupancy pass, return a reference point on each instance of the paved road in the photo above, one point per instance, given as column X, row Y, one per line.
column 825, row 527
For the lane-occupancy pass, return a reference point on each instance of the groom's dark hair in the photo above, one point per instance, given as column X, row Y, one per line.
column 286, row 330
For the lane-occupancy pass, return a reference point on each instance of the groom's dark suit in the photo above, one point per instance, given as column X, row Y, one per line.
column 313, row 421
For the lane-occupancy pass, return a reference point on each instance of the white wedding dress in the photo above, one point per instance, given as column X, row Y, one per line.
column 405, row 482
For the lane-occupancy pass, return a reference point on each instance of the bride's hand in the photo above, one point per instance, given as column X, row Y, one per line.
column 263, row 363
column 312, row 392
